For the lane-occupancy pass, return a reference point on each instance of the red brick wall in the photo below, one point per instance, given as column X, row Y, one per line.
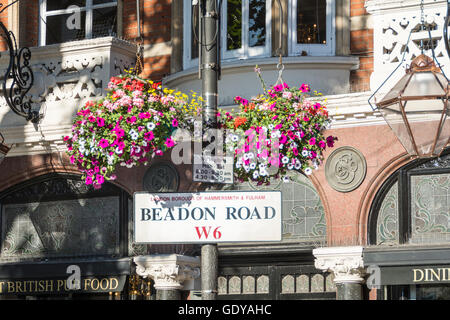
column 155, row 28
column 4, row 20
column 361, row 45
column 31, row 23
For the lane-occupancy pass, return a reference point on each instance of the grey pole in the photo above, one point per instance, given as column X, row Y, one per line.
column 209, row 65
column 209, row 271
column 209, row 73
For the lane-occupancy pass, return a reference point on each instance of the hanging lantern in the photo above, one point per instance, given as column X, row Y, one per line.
column 4, row 149
column 416, row 108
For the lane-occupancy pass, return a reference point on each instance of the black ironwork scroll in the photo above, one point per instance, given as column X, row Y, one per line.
column 18, row 78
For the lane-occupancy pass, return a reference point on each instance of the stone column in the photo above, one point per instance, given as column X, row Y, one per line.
column 347, row 265
column 169, row 272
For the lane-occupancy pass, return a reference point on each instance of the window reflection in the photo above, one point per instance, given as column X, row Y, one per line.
column 257, row 23
column 234, row 24
column 194, row 32
column 311, row 21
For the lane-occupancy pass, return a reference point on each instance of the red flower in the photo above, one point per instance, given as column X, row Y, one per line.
column 239, row 121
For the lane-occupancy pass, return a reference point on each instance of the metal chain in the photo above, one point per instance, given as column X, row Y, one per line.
column 422, row 15
column 422, row 24
column 139, row 67
column 280, row 65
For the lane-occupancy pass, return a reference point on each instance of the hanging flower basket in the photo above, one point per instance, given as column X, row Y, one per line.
column 280, row 130
column 133, row 122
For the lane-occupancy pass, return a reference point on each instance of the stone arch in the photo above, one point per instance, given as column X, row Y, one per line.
column 373, row 186
column 400, row 173
column 16, row 170
column 304, row 216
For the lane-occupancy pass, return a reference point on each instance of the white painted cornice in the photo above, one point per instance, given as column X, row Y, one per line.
column 390, row 6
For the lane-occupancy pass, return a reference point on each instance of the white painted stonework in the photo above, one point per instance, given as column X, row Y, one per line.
column 169, row 271
column 345, row 262
column 392, row 23
column 328, row 75
column 66, row 76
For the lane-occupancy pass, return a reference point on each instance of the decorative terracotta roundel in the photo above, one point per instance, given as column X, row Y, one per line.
column 161, row 177
column 345, row 169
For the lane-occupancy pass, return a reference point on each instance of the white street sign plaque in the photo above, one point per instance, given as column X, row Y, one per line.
column 210, row 169
column 207, row 217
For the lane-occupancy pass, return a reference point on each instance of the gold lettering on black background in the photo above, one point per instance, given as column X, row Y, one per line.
column 431, row 274
column 57, row 285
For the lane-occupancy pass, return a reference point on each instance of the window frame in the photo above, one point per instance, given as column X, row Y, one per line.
column 124, row 214
column 402, row 176
column 244, row 52
column 88, row 8
column 313, row 49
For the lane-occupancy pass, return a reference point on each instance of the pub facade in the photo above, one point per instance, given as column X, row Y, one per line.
column 370, row 223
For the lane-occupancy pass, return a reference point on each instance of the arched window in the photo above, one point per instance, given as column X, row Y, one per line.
column 413, row 205
column 303, row 213
column 56, row 216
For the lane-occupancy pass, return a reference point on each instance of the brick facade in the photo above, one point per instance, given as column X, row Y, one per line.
column 361, row 45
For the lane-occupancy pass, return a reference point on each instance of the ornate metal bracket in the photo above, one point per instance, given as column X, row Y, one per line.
column 18, row 78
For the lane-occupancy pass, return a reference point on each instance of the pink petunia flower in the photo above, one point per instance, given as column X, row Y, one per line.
column 149, row 136
column 100, row 122
column 169, row 142
column 304, row 88
column 88, row 180
column 100, row 179
column 103, row 143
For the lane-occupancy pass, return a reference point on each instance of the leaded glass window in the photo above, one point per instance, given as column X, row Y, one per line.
column 303, row 212
column 430, row 210
column 56, row 216
column 61, row 228
column 387, row 223
column 413, row 206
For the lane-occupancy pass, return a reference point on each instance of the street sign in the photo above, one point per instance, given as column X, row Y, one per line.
column 213, row 169
column 207, row 217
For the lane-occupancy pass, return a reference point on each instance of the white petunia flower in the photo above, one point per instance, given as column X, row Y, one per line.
column 308, row 171
column 151, row 126
column 285, row 160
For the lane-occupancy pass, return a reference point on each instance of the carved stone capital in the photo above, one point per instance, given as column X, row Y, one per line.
column 345, row 262
column 169, row 271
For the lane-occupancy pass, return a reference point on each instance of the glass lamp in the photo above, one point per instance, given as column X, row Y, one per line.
column 416, row 109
